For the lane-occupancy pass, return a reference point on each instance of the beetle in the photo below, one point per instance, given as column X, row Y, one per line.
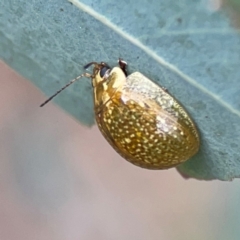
column 140, row 119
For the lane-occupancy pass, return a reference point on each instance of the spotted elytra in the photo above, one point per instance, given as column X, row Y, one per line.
column 140, row 120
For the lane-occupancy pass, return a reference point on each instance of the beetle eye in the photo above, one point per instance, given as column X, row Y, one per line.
column 103, row 71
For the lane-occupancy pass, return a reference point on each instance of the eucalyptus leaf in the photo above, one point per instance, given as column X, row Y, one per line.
column 182, row 45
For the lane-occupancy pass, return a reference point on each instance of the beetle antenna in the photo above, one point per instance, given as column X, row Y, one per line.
column 89, row 64
column 60, row 90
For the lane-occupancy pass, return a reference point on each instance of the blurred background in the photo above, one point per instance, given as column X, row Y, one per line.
column 60, row 180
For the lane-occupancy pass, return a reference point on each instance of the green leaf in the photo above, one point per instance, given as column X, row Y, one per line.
column 183, row 45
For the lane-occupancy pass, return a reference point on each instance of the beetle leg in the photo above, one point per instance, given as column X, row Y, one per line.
column 165, row 89
column 123, row 65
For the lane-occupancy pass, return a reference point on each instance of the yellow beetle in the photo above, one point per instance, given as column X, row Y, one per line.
column 140, row 120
